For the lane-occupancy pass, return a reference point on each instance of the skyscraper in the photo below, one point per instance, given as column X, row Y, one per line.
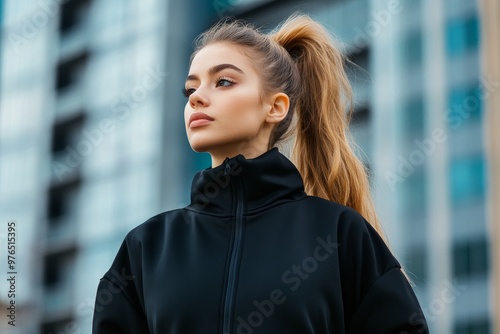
column 92, row 140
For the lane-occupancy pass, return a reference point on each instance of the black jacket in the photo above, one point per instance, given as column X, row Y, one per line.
column 253, row 253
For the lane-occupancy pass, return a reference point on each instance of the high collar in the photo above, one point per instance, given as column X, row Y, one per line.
column 261, row 182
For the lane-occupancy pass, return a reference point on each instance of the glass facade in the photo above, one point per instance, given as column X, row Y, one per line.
column 411, row 48
column 86, row 136
column 467, row 180
column 462, row 35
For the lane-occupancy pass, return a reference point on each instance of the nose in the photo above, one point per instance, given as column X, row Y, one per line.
column 196, row 99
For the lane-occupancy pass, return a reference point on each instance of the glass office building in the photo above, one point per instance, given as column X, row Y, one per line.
column 92, row 139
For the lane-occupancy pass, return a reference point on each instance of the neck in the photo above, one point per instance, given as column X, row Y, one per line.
column 250, row 148
column 248, row 151
column 267, row 180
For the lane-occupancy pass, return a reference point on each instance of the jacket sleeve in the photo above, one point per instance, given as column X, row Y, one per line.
column 118, row 308
column 377, row 297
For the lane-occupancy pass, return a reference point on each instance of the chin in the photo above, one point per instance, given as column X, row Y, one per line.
column 201, row 145
column 200, row 148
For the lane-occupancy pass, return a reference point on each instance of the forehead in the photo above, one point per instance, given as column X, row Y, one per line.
column 220, row 53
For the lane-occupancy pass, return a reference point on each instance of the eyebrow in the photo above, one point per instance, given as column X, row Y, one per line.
column 215, row 69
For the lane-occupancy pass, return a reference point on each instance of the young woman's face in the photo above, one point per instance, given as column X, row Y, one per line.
column 223, row 85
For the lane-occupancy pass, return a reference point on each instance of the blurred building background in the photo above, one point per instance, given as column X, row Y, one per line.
column 490, row 10
column 92, row 139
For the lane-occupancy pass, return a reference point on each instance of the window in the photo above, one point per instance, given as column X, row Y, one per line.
column 411, row 49
column 361, row 137
column 467, row 179
column 462, row 35
column 414, row 194
column 62, row 200
column 358, row 68
column 68, row 148
column 413, row 118
column 470, row 258
column 58, row 268
column 59, row 326
column 361, row 115
column 476, row 326
column 70, row 71
column 416, row 264
column 472, row 32
column 73, row 13
column 361, row 58
column 64, row 192
column 66, row 132
column 464, row 103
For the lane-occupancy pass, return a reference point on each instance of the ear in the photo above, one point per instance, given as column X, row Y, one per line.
column 278, row 108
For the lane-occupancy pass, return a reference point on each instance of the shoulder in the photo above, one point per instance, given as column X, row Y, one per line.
column 147, row 238
column 347, row 222
column 363, row 256
column 361, row 247
column 154, row 227
column 144, row 239
column 357, row 238
column 332, row 210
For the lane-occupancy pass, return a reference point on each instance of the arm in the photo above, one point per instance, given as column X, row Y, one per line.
column 377, row 296
column 118, row 309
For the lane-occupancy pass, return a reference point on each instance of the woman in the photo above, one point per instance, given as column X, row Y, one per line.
column 265, row 246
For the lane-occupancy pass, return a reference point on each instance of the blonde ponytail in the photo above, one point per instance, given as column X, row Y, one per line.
column 322, row 152
column 300, row 59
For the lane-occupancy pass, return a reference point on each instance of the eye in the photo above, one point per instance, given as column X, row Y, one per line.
column 224, row 82
column 187, row 91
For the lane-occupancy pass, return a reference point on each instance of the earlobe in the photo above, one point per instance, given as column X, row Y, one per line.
column 279, row 104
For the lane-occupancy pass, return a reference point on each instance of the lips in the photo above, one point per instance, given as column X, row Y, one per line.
column 199, row 118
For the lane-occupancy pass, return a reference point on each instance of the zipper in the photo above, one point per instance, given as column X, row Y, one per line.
column 234, row 262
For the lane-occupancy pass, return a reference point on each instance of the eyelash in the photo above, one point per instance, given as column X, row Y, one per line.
column 187, row 92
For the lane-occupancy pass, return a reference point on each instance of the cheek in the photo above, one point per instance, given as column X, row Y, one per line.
column 187, row 112
column 244, row 109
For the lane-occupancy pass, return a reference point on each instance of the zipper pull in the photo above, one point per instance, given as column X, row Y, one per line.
column 227, row 169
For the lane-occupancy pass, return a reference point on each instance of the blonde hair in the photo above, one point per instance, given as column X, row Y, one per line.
column 299, row 59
